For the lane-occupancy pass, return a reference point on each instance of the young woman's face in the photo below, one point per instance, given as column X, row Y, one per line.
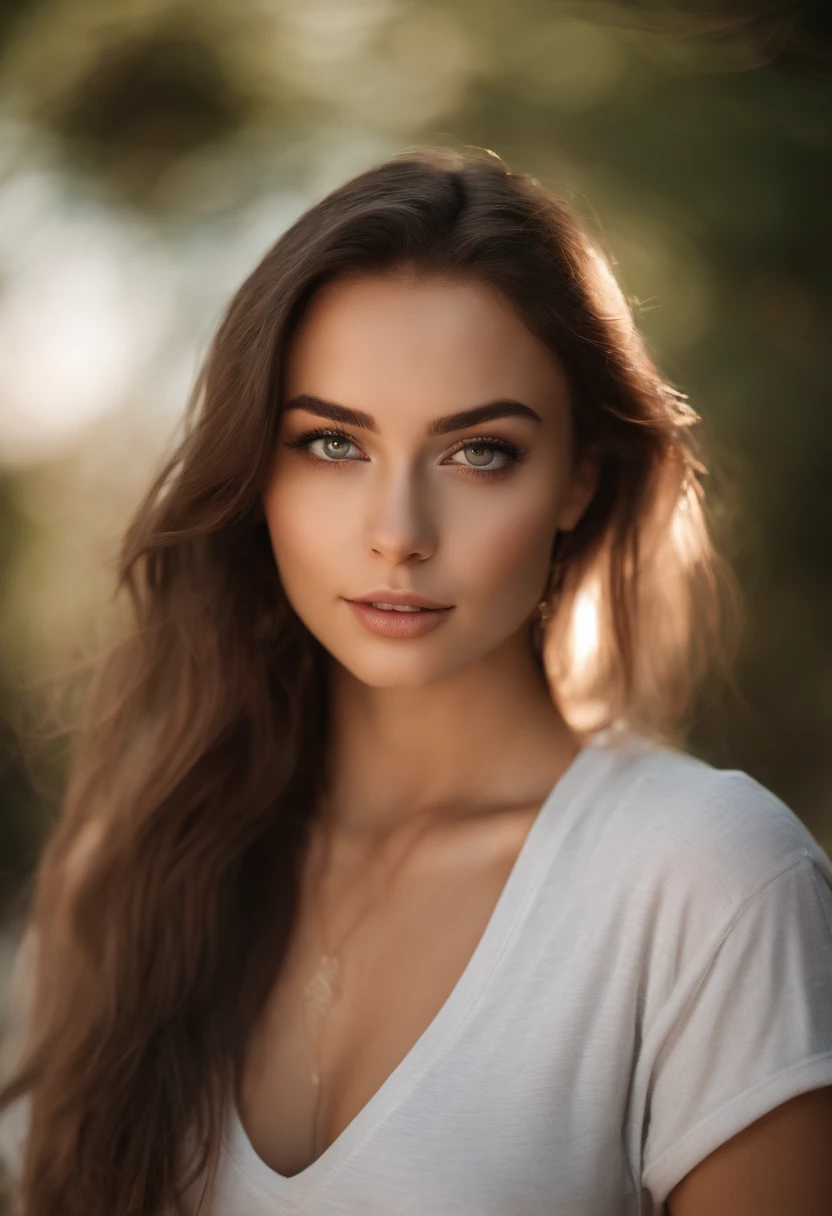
column 463, row 512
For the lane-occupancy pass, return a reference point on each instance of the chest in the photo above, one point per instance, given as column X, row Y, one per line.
column 517, row 1097
column 405, row 948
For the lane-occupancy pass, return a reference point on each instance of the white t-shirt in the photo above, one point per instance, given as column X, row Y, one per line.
column 656, row 975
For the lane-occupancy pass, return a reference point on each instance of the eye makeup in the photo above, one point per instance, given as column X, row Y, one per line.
column 514, row 453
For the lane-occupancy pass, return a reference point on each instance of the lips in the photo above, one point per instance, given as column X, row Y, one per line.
column 385, row 595
column 388, row 623
column 399, row 607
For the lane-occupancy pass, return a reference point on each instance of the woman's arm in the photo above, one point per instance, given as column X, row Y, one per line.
column 780, row 1165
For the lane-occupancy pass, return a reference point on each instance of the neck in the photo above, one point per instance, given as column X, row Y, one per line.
column 489, row 736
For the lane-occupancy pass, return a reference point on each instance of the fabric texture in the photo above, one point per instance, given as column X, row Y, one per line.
column 655, row 976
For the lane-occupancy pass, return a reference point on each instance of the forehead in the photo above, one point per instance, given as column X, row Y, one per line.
column 386, row 337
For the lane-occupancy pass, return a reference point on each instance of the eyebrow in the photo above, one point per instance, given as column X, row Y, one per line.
column 437, row 426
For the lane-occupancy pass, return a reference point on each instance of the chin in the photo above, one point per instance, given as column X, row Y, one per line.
column 392, row 670
column 389, row 673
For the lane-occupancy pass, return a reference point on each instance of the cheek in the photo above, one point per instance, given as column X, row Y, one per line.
column 512, row 552
column 304, row 534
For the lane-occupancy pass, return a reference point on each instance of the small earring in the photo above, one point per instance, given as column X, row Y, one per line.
column 543, row 611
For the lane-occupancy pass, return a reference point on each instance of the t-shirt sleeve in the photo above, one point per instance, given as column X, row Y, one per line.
column 748, row 1031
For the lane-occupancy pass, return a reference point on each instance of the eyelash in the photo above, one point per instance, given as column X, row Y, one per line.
column 515, row 453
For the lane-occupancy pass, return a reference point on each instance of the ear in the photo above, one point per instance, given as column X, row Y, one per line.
column 582, row 487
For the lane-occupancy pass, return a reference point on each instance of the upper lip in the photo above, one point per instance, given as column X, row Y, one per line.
column 384, row 596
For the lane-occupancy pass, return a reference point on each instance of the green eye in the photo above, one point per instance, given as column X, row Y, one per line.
column 337, row 444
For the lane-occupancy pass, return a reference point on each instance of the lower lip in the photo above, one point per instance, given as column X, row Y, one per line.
column 389, row 624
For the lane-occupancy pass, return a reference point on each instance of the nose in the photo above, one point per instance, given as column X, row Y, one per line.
column 401, row 524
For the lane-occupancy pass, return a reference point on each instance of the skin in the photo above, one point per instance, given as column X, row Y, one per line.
column 463, row 715
column 780, row 1165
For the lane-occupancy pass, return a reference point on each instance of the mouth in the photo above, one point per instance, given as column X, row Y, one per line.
column 382, row 607
column 398, row 620
column 386, row 599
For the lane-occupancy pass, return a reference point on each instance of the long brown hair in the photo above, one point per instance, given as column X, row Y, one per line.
column 165, row 894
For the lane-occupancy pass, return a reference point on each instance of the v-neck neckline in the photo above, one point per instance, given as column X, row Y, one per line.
column 518, row 889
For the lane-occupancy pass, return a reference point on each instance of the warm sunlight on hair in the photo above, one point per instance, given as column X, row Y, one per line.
column 585, row 632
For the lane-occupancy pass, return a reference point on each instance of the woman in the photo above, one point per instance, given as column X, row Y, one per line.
column 382, row 883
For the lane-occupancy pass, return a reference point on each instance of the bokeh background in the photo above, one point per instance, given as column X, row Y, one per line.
column 151, row 151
